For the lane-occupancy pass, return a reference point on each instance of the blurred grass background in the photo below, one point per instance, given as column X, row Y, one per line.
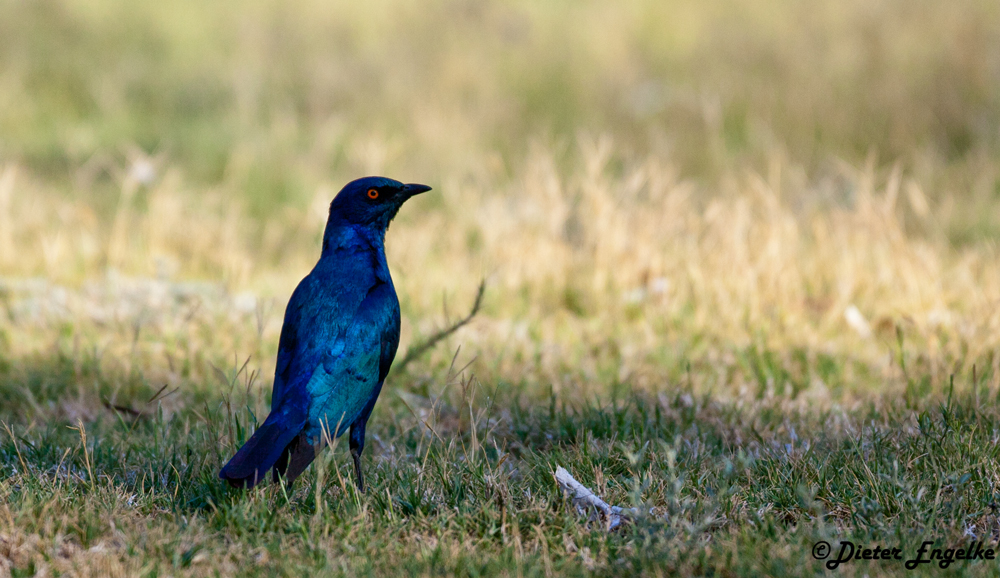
column 275, row 86
column 786, row 196
column 633, row 179
column 789, row 204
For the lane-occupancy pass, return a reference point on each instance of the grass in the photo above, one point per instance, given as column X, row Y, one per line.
column 741, row 270
column 467, row 489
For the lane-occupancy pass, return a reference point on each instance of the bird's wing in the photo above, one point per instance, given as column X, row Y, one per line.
column 319, row 310
column 356, row 362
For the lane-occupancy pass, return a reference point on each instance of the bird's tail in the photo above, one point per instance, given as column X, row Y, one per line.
column 259, row 454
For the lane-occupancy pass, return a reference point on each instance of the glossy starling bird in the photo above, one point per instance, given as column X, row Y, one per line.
column 338, row 340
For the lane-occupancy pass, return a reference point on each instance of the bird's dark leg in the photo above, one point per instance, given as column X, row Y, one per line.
column 296, row 457
column 357, row 444
column 357, row 438
column 282, row 464
column 359, row 478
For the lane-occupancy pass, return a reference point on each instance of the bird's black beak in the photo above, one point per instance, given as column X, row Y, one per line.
column 415, row 189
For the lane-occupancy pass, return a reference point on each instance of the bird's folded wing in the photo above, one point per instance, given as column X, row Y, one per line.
column 318, row 311
column 348, row 376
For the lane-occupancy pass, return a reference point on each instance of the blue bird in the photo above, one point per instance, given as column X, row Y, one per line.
column 338, row 340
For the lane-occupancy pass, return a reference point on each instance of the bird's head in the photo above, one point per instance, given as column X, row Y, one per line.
column 371, row 202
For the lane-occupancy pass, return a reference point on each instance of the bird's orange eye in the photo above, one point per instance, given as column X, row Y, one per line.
column 372, row 194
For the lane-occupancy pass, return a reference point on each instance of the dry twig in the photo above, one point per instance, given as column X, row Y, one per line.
column 418, row 349
column 587, row 501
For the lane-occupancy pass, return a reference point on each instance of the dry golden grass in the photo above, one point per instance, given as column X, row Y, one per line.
column 634, row 272
column 644, row 186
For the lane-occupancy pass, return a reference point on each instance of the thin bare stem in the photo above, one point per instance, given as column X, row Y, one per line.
column 419, row 349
